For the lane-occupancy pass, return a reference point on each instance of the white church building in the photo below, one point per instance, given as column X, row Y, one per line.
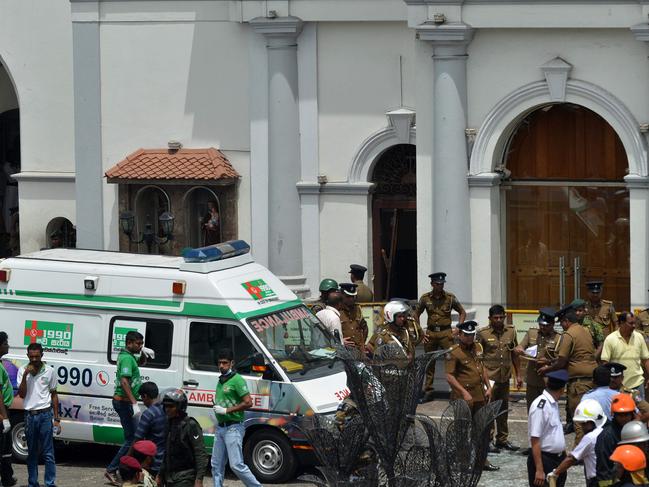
column 503, row 142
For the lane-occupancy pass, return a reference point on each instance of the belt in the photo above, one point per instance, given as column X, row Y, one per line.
column 34, row 412
column 225, row 424
column 557, row 456
column 438, row 328
column 120, row 398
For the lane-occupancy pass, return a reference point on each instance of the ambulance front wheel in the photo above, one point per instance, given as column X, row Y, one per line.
column 269, row 455
column 18, row 438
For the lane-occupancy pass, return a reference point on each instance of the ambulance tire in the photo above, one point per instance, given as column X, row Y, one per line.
column 18, row 439
column 269, row 455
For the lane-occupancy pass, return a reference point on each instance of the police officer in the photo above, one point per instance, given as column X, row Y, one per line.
column 545, row 431
column 595, row 328
column 326, row 286
column 575, row 352
column 363, row 293
column 545, row 339
column 438, row 305
column 395, row 331
column 352, row 321
column 466, row 374
column 600, row 310
column 498, row 342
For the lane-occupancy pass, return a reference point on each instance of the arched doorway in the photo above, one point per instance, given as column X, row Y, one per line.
column 10, row 161
column 567, row 209
column 394, row 222
column 197, row 215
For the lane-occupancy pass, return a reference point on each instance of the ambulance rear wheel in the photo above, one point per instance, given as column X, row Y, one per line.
column 269, row 455
column 19, row 440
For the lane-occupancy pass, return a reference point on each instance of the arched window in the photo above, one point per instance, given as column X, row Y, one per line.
column 60, row 232
column 203, row 217
column 150, row 203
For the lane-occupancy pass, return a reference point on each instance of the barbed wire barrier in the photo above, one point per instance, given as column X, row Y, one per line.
column 377, row 439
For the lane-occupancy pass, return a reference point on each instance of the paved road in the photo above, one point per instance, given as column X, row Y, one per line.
column 83, row 465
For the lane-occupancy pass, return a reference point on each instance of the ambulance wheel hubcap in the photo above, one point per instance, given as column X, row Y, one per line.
column 19, row 440
column 267, row 456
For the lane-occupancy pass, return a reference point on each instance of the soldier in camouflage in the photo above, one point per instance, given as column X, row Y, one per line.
column 600, row 310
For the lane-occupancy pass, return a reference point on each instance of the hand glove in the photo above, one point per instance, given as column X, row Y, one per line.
column 219, row 409
column 551, row 475
column 6, row 426
column 148, row 352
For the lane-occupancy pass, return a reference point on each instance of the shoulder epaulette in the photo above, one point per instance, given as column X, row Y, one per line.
column 541, row 404
column 605, row 301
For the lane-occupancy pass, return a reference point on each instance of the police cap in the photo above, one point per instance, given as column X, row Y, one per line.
column 563, row 311
column 595, row 286
column 615, row 368
column 558, row 375
column 546, row 316
column 348, row 288
column 438, row 277
column 357, row 270
column 577, row 303
column 468, row 327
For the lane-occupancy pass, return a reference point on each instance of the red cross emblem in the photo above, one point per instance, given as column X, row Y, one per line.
column 254, row 290
column 33, row 333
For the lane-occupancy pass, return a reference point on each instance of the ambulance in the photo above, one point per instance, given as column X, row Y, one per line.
column 79, row 304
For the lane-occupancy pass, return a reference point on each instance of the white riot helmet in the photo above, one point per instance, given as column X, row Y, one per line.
column 392, row 309
column 590, row 410
column 634, row 432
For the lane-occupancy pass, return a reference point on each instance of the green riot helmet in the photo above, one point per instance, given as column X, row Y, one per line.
column 328, row 285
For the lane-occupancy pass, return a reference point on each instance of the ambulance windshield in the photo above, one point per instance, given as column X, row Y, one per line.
column 297, row 341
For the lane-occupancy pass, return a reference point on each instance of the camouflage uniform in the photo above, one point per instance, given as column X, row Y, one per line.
column 596, row 330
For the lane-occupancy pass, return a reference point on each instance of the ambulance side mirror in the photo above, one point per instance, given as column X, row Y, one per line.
column 259, row 365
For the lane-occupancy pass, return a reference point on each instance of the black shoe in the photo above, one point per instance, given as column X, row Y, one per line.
column 10, row 483
column 526, row 451
column 489, row 467
column 507, row 446
column 493, row 449
column 568, row 428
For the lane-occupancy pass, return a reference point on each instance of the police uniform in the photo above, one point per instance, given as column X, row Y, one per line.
column 576, row 344
column 544, row 423
column 643, row 322
column 438, row 326
column 497, row 359
column 392, row 333
column 602, row 312
column 466, row 365
column 352, row 321
column 545, row 346
column 364, row 293
column 617, row 370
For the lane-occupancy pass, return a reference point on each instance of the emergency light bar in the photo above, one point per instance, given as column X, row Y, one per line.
column 215, row 252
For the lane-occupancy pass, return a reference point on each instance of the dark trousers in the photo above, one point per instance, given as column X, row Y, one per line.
column 6, row 469
column 124, row 410
column 500, row 391
column 550, row 462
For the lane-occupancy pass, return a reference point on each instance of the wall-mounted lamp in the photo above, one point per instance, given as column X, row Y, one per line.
column 439, row 19
column 166, row 222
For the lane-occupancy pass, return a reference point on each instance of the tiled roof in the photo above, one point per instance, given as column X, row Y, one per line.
column 152, row 164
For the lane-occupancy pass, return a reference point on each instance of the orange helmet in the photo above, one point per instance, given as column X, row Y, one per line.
column 622, row 403
column 631, row 457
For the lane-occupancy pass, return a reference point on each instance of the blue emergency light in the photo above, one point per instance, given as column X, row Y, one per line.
column 215, row 252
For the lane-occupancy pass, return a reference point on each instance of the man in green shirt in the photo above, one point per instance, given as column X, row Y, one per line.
column 127, row 386
column 6, row 470
column 230, row 401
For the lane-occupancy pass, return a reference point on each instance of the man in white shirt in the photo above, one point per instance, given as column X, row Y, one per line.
column 546, row 432
column 330, row 316
column 590, row 413
column 37, row 386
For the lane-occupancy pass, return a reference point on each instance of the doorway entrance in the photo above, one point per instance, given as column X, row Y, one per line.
column 394, row 222
column 567, row 209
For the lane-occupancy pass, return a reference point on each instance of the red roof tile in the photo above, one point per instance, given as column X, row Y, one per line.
column 147, row 164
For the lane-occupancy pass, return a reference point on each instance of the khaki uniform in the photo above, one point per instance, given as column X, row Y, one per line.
column 438, row 326
column 497, row 359
column 393, row 334
column 534, row 382
column 604, row 314
column 643, row 322
column 354, row 325
column 317, row 306
column 576, row 344
column 363, row 293
column 466, row 366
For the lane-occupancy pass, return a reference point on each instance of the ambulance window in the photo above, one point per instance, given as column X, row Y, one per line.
column 206, row 339
column 158, row 336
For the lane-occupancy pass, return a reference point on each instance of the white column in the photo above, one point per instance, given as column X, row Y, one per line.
column 284, row 216
column 639, row 238
column 451, row 221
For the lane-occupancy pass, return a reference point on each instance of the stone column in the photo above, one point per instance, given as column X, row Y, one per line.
column 284, row 216
column 451, row 216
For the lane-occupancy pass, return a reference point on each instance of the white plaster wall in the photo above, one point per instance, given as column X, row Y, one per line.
column 166, row 81
column 344, row 227
column 36, row 49
column 8, row 99
column 358, row 81
column 40, row 202
column 241, row 162
column 501, row 61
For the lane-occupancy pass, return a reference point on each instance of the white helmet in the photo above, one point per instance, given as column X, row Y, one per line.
column 393, row 308
column 590, row 410
column 634, row 432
